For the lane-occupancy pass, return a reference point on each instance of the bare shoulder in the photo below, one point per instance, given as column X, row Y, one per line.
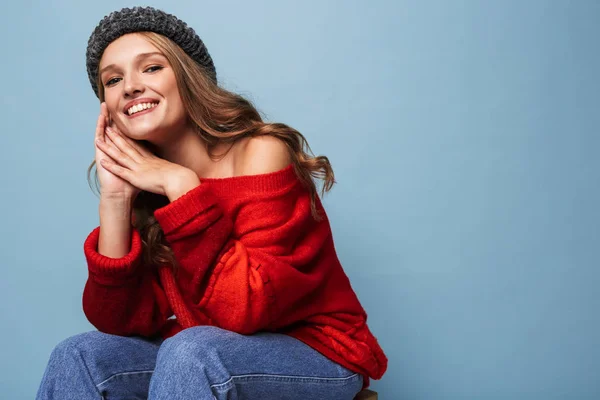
column 262, row 155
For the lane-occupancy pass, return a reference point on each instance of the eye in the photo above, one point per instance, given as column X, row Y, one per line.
column 147, row 69
column 109, row 82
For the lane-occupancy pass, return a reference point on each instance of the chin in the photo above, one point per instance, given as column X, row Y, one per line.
column 141, row 134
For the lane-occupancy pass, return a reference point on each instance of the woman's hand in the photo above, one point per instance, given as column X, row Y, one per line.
column 111, row 185
column 133, row 163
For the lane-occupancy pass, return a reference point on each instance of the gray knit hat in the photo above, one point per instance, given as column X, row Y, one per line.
column 136, row 19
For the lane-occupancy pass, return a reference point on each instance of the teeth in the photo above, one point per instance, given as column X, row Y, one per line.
column 140, row 107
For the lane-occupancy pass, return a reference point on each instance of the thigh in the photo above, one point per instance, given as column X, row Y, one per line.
column 119, row 366
column 268, row 366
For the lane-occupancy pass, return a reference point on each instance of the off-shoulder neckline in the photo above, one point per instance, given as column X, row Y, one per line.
column 266, row 175
column 266, row 182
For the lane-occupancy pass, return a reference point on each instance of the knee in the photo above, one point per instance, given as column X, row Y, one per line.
column 75, row 345
column 199, row 344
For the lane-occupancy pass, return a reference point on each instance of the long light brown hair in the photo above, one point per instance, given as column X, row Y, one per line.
column 220, row 117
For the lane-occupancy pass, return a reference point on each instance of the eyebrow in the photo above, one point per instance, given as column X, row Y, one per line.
column 141, row 55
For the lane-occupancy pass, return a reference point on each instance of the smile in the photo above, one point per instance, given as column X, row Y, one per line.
column 140, row 109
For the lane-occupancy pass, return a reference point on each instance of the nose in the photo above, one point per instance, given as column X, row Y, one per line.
column 132, row 86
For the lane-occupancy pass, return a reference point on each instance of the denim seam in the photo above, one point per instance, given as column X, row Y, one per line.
column 290, row 377
column 123, row 373
column 88, row 372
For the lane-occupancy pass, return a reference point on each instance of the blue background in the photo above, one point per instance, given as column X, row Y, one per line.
column 464, row 138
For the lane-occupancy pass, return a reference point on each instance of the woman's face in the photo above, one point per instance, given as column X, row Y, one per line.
column 131, row 76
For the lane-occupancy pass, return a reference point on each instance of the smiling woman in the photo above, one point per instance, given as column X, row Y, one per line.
column 213, row 273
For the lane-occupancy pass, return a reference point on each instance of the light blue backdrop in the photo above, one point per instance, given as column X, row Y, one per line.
column 463, row 135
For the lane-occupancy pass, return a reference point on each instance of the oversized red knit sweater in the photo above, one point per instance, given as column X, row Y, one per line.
column 251, row 258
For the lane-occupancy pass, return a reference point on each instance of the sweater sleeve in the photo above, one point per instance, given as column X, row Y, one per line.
column 251, row 273
column 121, row 296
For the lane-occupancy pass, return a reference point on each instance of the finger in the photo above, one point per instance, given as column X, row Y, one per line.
column 103, row 155
column 108, row 140
column 102, row 158
column 135, row 144
column 99, row 134
column 109, row 120
column 117, row 169
column 106, row 114
column 125, row 144
column 109, row 148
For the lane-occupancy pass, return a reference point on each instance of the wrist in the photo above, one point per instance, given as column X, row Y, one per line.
column 115, row 207
column 180, row 183
column 120, row 200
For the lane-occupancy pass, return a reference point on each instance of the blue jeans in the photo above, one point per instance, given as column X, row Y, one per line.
column 202, row 362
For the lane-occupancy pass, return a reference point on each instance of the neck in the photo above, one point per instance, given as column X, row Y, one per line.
column 189, row 150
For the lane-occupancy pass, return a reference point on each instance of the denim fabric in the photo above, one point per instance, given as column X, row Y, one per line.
column 201, row 362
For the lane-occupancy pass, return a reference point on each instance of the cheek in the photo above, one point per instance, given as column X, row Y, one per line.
column 112, row 104
column 170, row 86
column 175, row 102
column 116, row 113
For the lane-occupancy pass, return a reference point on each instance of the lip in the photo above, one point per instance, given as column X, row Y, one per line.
column 138, row 101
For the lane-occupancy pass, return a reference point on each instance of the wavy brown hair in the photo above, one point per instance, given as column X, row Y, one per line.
column 220, row 117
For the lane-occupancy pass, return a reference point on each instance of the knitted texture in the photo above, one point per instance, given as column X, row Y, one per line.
column 138, row 19
column 251, row 258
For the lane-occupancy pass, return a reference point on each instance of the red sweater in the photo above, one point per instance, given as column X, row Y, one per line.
column 251, row 258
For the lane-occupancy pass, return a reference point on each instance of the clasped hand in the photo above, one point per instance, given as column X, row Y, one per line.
column 132, row 162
